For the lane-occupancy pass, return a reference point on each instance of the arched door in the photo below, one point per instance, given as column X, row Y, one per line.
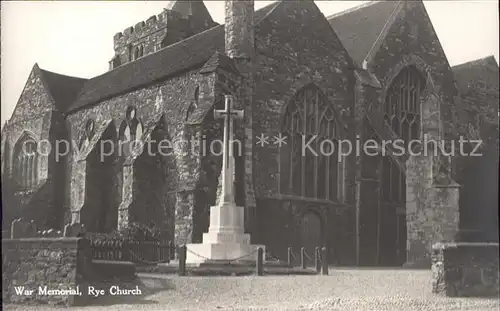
column 311, row 233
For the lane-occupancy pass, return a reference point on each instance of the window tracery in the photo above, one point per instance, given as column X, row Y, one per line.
column 130, row 131
column 87, row 134
column 310, row 120
column 402, row 113
column 26, row 162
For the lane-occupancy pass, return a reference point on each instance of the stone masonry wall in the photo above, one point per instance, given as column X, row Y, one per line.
column 412, row 41
column 58, row 263
column 465, row 269
column 301, row 49
column 149, row 34
column 35, row 115
column 157, row 32
column 168, row 102
column 288, row 58
column 432, row 211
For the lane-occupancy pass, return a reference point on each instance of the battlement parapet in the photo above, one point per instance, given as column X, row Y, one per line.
column 151, row 20
column 172, row 19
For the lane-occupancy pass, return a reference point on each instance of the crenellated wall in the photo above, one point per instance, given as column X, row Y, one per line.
column 155, row 33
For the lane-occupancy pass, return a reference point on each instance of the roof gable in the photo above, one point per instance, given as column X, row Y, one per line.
column 62, row 88
column 483, row 69
column 45, row 91
column 188, row 54
column 219, row 60
column 360, row 27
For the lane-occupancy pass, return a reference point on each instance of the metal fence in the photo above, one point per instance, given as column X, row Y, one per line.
column 138, row 252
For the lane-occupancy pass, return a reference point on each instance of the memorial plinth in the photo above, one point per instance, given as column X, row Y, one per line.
column 226, row 240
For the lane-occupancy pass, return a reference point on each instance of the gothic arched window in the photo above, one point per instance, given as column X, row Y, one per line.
column 402, row 104
column 26, row 162
column 309, row 165
column 131, row 129
column 194, row 102
column 87, row 134
column 402, row 113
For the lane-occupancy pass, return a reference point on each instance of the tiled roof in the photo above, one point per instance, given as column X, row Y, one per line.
column 188, row 8
column 220, row 60
column 63, row 89
column 359, row 27
column 188, row 54
column 484, row 69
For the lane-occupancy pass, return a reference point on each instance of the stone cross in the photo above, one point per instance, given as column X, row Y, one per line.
column 229, row 115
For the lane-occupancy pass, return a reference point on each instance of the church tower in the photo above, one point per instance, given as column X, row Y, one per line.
column 240, row 45
column 181, row 19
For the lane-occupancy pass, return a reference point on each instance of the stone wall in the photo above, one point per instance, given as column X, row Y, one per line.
column 161, row 109
column 157, row 32
column 297, row 52
column 412, row 41
column 58, row 263
column 465, row 269
column 296, row 47
column 337, row 229
column 36, row 117
column 432, row 211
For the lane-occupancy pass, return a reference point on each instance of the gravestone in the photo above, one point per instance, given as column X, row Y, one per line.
column 22, row 228
column 74, row 230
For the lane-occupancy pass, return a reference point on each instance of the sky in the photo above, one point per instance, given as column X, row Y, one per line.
column 76, row 37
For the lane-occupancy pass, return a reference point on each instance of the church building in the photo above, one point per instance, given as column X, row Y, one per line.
column 71, row 151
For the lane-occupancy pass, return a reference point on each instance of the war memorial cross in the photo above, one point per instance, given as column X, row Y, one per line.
column 229, row 115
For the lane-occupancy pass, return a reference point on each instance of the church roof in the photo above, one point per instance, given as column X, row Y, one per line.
column 483, row 69
column 62, row 88
column 187, row 54
column 359, row 28
column 188, row 8
column 220, row 60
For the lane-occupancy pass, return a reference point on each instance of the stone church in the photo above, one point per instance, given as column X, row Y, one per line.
column 376, row 71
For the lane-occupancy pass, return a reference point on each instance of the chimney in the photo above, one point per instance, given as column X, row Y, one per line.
column 239, row 29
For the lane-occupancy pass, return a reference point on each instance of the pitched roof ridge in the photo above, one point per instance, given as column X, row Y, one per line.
column 143, row 58
column 383, row 32
column 353, row 9
column 271, row 7
column 60, row 74
column 475, row 61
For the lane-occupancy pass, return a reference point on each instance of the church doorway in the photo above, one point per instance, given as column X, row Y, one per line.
column 311, row 232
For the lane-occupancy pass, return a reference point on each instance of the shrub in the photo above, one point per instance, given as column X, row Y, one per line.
column 141, row 232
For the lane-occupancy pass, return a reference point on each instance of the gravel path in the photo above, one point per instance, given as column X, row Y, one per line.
column 346, row 290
